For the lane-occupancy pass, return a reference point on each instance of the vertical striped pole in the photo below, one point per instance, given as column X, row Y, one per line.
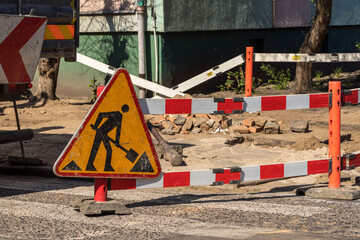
column 249, row 71
column 334, row 133
column 100, row 190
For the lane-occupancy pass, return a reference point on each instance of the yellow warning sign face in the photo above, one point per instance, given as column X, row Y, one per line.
column 113, row 141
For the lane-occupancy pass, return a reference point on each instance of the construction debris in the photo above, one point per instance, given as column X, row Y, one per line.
column 207, row 123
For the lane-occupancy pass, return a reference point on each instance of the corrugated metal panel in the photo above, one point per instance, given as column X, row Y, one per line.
column 292, row 13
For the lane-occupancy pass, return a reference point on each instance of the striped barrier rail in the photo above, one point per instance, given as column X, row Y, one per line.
column 236, row 175
column 252, row 57
column 304, row 57
column 248, row 104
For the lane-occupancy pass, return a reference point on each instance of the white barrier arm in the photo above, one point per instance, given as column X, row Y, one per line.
column 135, row 80
column 303, row 57
column 209, row 74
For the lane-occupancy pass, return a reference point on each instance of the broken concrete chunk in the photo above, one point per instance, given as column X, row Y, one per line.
column 240, row 129
column 177, row 129
column 199, row 121
column 204, row 127
column 299, row 126
column 210, row 122
column 217, row 118
column 168, row 125
column 216, row 125
column 261, row 122
column 255, row 129
column 271, row 128
column 226, row 123
column 196, row 130
column 180, row 120
column 249, row 122
column 167, row 131
column 188, row 124
column 158, row 125
column 237, row 121
column 234, row 141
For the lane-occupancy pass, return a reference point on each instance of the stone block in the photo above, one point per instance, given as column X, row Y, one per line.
column 271, row 128
column 260, row 122
column 342, row 193
column 217, row 118
column 210, row 122
column 200, row 120
column 299, row 126
column 180, row 120
column 168, row 125
column 216, row 125
column 167, row 131
column 255, row 129
column 248, row 122
column 240, row 129
column 188, row 124
column 237, row 121
column 196, row 130
column 204, row 127
column 177, row 128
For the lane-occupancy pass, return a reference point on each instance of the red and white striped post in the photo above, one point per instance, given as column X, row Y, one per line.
column 334, row 133
column 249, row 71
column 100, row 194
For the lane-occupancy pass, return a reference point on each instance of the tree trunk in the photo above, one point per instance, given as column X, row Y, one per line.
column 312, row 43
column 47, row 81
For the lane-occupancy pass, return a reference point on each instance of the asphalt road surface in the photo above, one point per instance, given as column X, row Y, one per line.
column 40, row 208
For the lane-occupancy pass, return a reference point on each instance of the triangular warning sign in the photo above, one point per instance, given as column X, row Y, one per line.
column 113, row 141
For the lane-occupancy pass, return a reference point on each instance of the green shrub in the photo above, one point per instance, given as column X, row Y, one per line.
column 93, row 85
column 337, row 71
column 318, row 75
column 235, row 81
column 279, row 78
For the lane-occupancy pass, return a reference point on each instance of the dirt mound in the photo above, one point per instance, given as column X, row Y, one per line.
column 307, row 144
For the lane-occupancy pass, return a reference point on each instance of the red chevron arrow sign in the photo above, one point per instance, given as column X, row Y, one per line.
column 20, row 45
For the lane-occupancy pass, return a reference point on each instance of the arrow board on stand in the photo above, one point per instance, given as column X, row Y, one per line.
column 113, row 141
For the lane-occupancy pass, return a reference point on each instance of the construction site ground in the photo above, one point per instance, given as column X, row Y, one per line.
column 34, row 207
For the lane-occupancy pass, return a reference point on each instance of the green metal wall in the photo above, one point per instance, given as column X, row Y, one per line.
column 194, row 36
column 208, row 15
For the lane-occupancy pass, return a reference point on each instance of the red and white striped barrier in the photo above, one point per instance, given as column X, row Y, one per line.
column 181, row 179
column 239, row 105
column 235, row 175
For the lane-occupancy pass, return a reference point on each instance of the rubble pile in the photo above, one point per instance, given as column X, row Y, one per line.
column 207, row 123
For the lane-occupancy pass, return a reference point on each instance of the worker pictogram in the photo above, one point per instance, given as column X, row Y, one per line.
column 20, row 46
column 113, row 140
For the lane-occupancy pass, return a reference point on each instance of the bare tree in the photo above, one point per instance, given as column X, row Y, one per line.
column 312, row 43
column 48, row 75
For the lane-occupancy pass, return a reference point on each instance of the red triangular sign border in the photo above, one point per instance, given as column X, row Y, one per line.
column 85, row 122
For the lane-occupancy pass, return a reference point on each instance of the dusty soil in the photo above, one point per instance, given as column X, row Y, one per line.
column 54, row 123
